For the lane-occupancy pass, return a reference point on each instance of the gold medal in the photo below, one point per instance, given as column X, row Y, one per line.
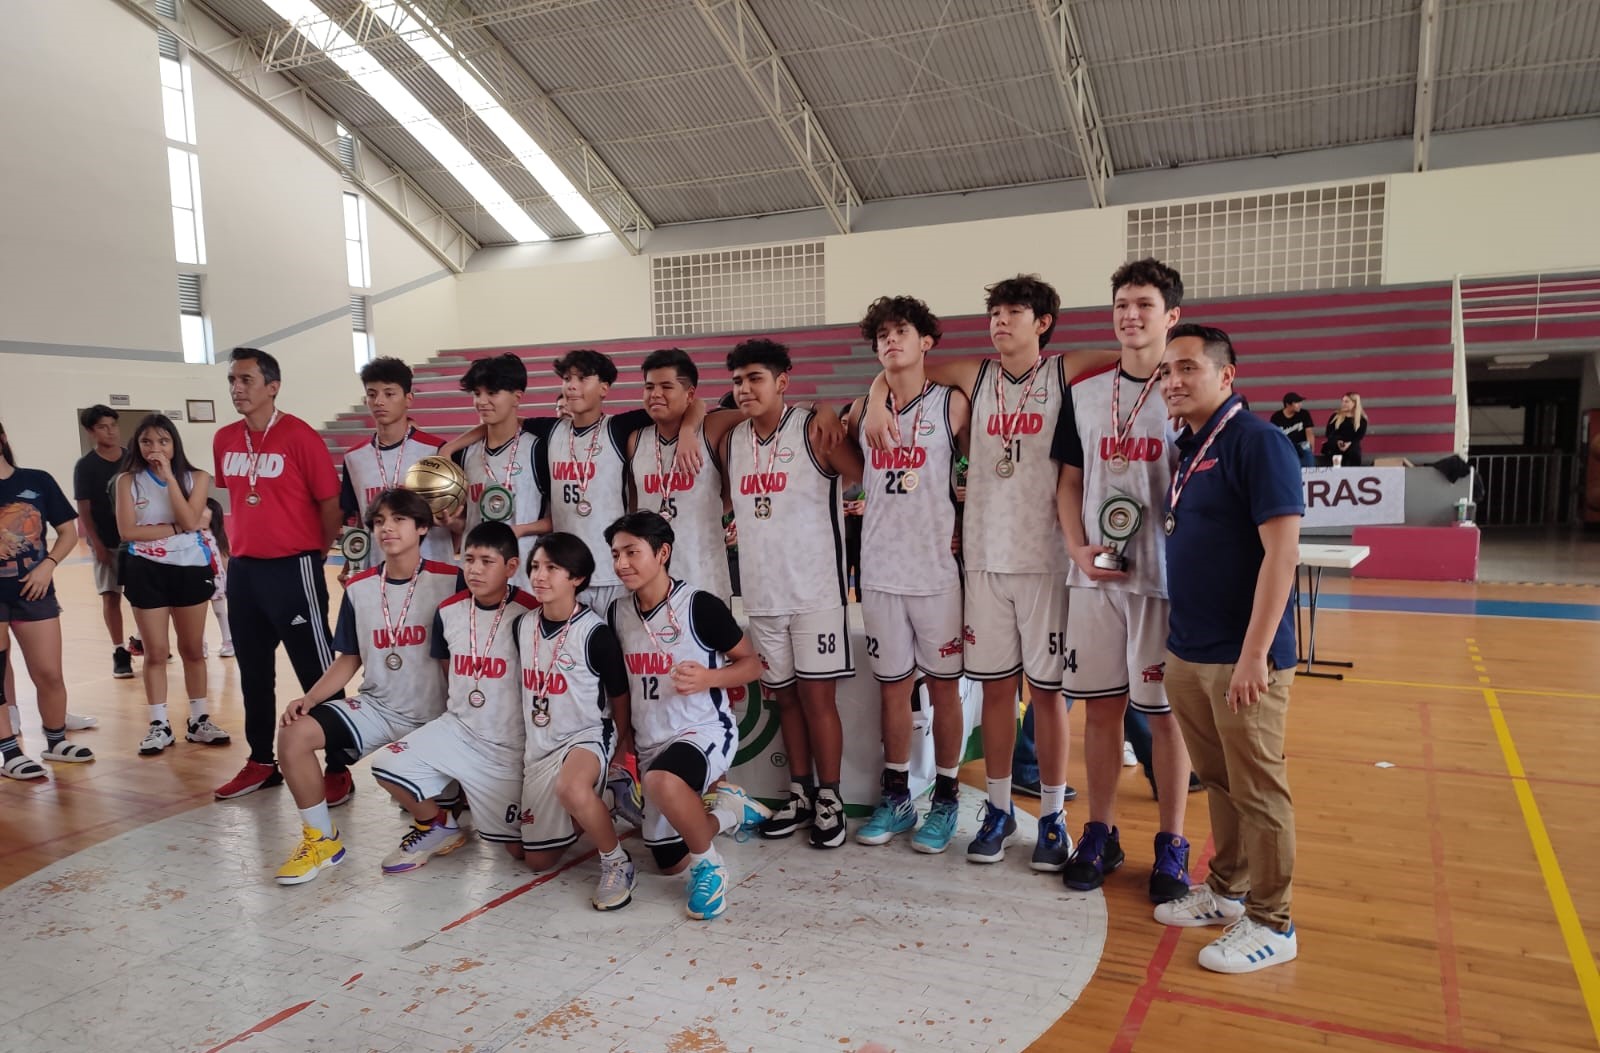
column 1005, row 467
column 909, row 480
column 1118, row 463
column 1169, row 524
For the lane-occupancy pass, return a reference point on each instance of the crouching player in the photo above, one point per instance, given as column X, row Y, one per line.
column 574, row 701
column 683, row 652
column 384, row 633
column 478, row 740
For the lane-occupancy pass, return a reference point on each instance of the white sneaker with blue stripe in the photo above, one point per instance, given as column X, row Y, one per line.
column 1248, row 946
column 1200, row 907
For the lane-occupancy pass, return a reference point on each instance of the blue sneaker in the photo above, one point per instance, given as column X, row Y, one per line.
column 1099, row 853
column 994, row 831
column 937, row 830
column 1169, row 880
column 1054, row 847
column 895, row 815
column 747, row 812
column 708, row 891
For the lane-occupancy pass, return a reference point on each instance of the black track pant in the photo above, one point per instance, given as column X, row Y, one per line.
column 273, row 601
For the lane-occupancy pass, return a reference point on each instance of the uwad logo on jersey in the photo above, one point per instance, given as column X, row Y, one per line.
column 1020, row 423
column 1146, row 449
column 545, row 684
column 483, row 667
column 571, row 471
column 647, row 663
column 763, row 483
column 679, row 481
column 404, row 636
column 237, row 462
column 899, row 457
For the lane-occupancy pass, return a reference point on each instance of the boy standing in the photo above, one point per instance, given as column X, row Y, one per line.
column 91, row 489
column 683, row 651
column 500, row 458
column 478, row 740
column 383, row 629
column 1116, row 463
column 910, row 580
column 786, row 496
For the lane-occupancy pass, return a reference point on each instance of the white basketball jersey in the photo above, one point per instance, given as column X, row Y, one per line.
column 416, row 690
column 152, row 503
column 910, row 518
column 1150, row 454
column 658, row 712
column 587, row 464
column 493, row 716
column 791, row 520
column 699, row 554
column 1010, row 524
column 371, row 469
column 561, row 686
column 510, row 465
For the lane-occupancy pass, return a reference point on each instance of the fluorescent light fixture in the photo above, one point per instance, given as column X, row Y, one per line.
column 464, row 81
column 1519, row 361
column 340, row 48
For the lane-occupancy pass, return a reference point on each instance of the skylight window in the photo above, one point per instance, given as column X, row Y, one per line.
column 313, row 24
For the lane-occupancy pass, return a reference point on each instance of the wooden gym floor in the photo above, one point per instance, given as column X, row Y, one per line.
column 1448, row 884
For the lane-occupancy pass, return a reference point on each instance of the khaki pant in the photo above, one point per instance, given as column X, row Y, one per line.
column 1239, row 757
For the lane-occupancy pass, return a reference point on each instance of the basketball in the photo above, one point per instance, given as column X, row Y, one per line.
column 438, row 481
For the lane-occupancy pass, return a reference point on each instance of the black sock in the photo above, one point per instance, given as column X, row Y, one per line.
column 10, row 748
column 946, row 788
column 896, row 783
column 808, row 785
column 54, row 735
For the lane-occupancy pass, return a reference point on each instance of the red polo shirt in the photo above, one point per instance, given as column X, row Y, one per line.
column 294, row 473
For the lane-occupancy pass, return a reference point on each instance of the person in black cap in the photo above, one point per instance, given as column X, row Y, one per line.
column 1294, row 420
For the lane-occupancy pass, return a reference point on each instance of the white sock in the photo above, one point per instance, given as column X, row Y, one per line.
column 1000, row 793
column 950, row 773
column 220, row 609
column 727, row 822
column 710, row 854
column 1051, row 799
column 158, row 713
column 197, row 709
column 616, row 855
column 317, row 818
column 897, row 767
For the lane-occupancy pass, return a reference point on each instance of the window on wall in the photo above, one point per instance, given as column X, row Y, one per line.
column 177, row 90
column 192, row 320
column 734, row 290
column 357, row 263
column 360, row 331
column 188, row 229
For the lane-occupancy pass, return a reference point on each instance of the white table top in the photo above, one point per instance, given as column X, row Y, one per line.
column 1339, row 557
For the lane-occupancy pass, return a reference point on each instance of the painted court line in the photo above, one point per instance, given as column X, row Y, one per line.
column 1533, row 691
column 1145, row 996
column 1583, row 962
column 1327, row 1027
column 1449, row 984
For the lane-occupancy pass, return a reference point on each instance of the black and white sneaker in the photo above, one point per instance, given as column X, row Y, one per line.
column 829, row 828
column 796, row 814
column 205, row 732
column 122, row 664
column 159, row 738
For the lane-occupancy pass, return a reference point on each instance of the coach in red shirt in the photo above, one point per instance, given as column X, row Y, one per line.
column 284, row 497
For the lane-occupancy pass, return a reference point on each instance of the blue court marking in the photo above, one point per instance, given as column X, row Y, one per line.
column 1567, row 612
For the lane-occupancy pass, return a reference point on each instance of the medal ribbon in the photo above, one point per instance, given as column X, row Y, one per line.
column 916, row 421
column 383, row 473
column 1179, row 481
column 594, row 448
column 755, row 447
column 253, row 459
column 661, row 471
column 472, row 636
column 672, row 625
column 383, row 594
column 1121, row 432
column 555, row 649
column 1008, row 422
column 488, row 469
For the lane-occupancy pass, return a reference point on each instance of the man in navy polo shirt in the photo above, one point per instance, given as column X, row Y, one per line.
column 1232, row 520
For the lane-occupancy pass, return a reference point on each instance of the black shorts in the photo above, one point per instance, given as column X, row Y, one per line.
column 149, row 584
column 13, row 608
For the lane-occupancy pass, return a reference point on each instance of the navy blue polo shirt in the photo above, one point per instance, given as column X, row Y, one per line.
column 1249, row 475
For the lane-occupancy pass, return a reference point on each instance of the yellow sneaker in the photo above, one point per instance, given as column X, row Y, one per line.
column 315, row 852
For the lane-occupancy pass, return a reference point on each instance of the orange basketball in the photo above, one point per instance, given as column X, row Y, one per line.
column 438, row 481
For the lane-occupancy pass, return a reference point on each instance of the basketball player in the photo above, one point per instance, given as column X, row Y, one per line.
column 692, row 501
column 910, row 581
column 574, row 701
column 1011, row 543
column 786, row 496
column 383, row 631
column 500, row 457
column 478, row 740
column 683, row 651
column 1116, row 459
column 380, row 465
column 284, row 496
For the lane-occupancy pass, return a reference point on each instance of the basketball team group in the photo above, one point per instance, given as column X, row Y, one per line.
column 540, row 616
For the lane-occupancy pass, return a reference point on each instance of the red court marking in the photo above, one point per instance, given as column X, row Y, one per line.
column 1497, row 776
column 352, row 979
column 519, row 890
column 1449, row 984
column 1327, row 1027
column 1145, row 996
column 269, row 1022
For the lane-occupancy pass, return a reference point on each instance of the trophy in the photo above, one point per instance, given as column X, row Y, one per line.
column 496, row 504
column 355, row 544
column 1120, row 519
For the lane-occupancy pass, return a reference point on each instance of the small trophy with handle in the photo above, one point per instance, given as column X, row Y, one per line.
column 1120, row 519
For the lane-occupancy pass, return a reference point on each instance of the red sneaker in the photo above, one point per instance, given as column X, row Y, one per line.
column 338, row 788
column 252, row 777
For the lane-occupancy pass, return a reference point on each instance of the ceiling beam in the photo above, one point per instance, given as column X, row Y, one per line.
column 213, row 43
column 504, row 78
column 1077, row 94
column 753, row 54
column 1427, row 84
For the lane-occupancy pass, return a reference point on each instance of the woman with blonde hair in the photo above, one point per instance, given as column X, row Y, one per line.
column 1346, row 429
